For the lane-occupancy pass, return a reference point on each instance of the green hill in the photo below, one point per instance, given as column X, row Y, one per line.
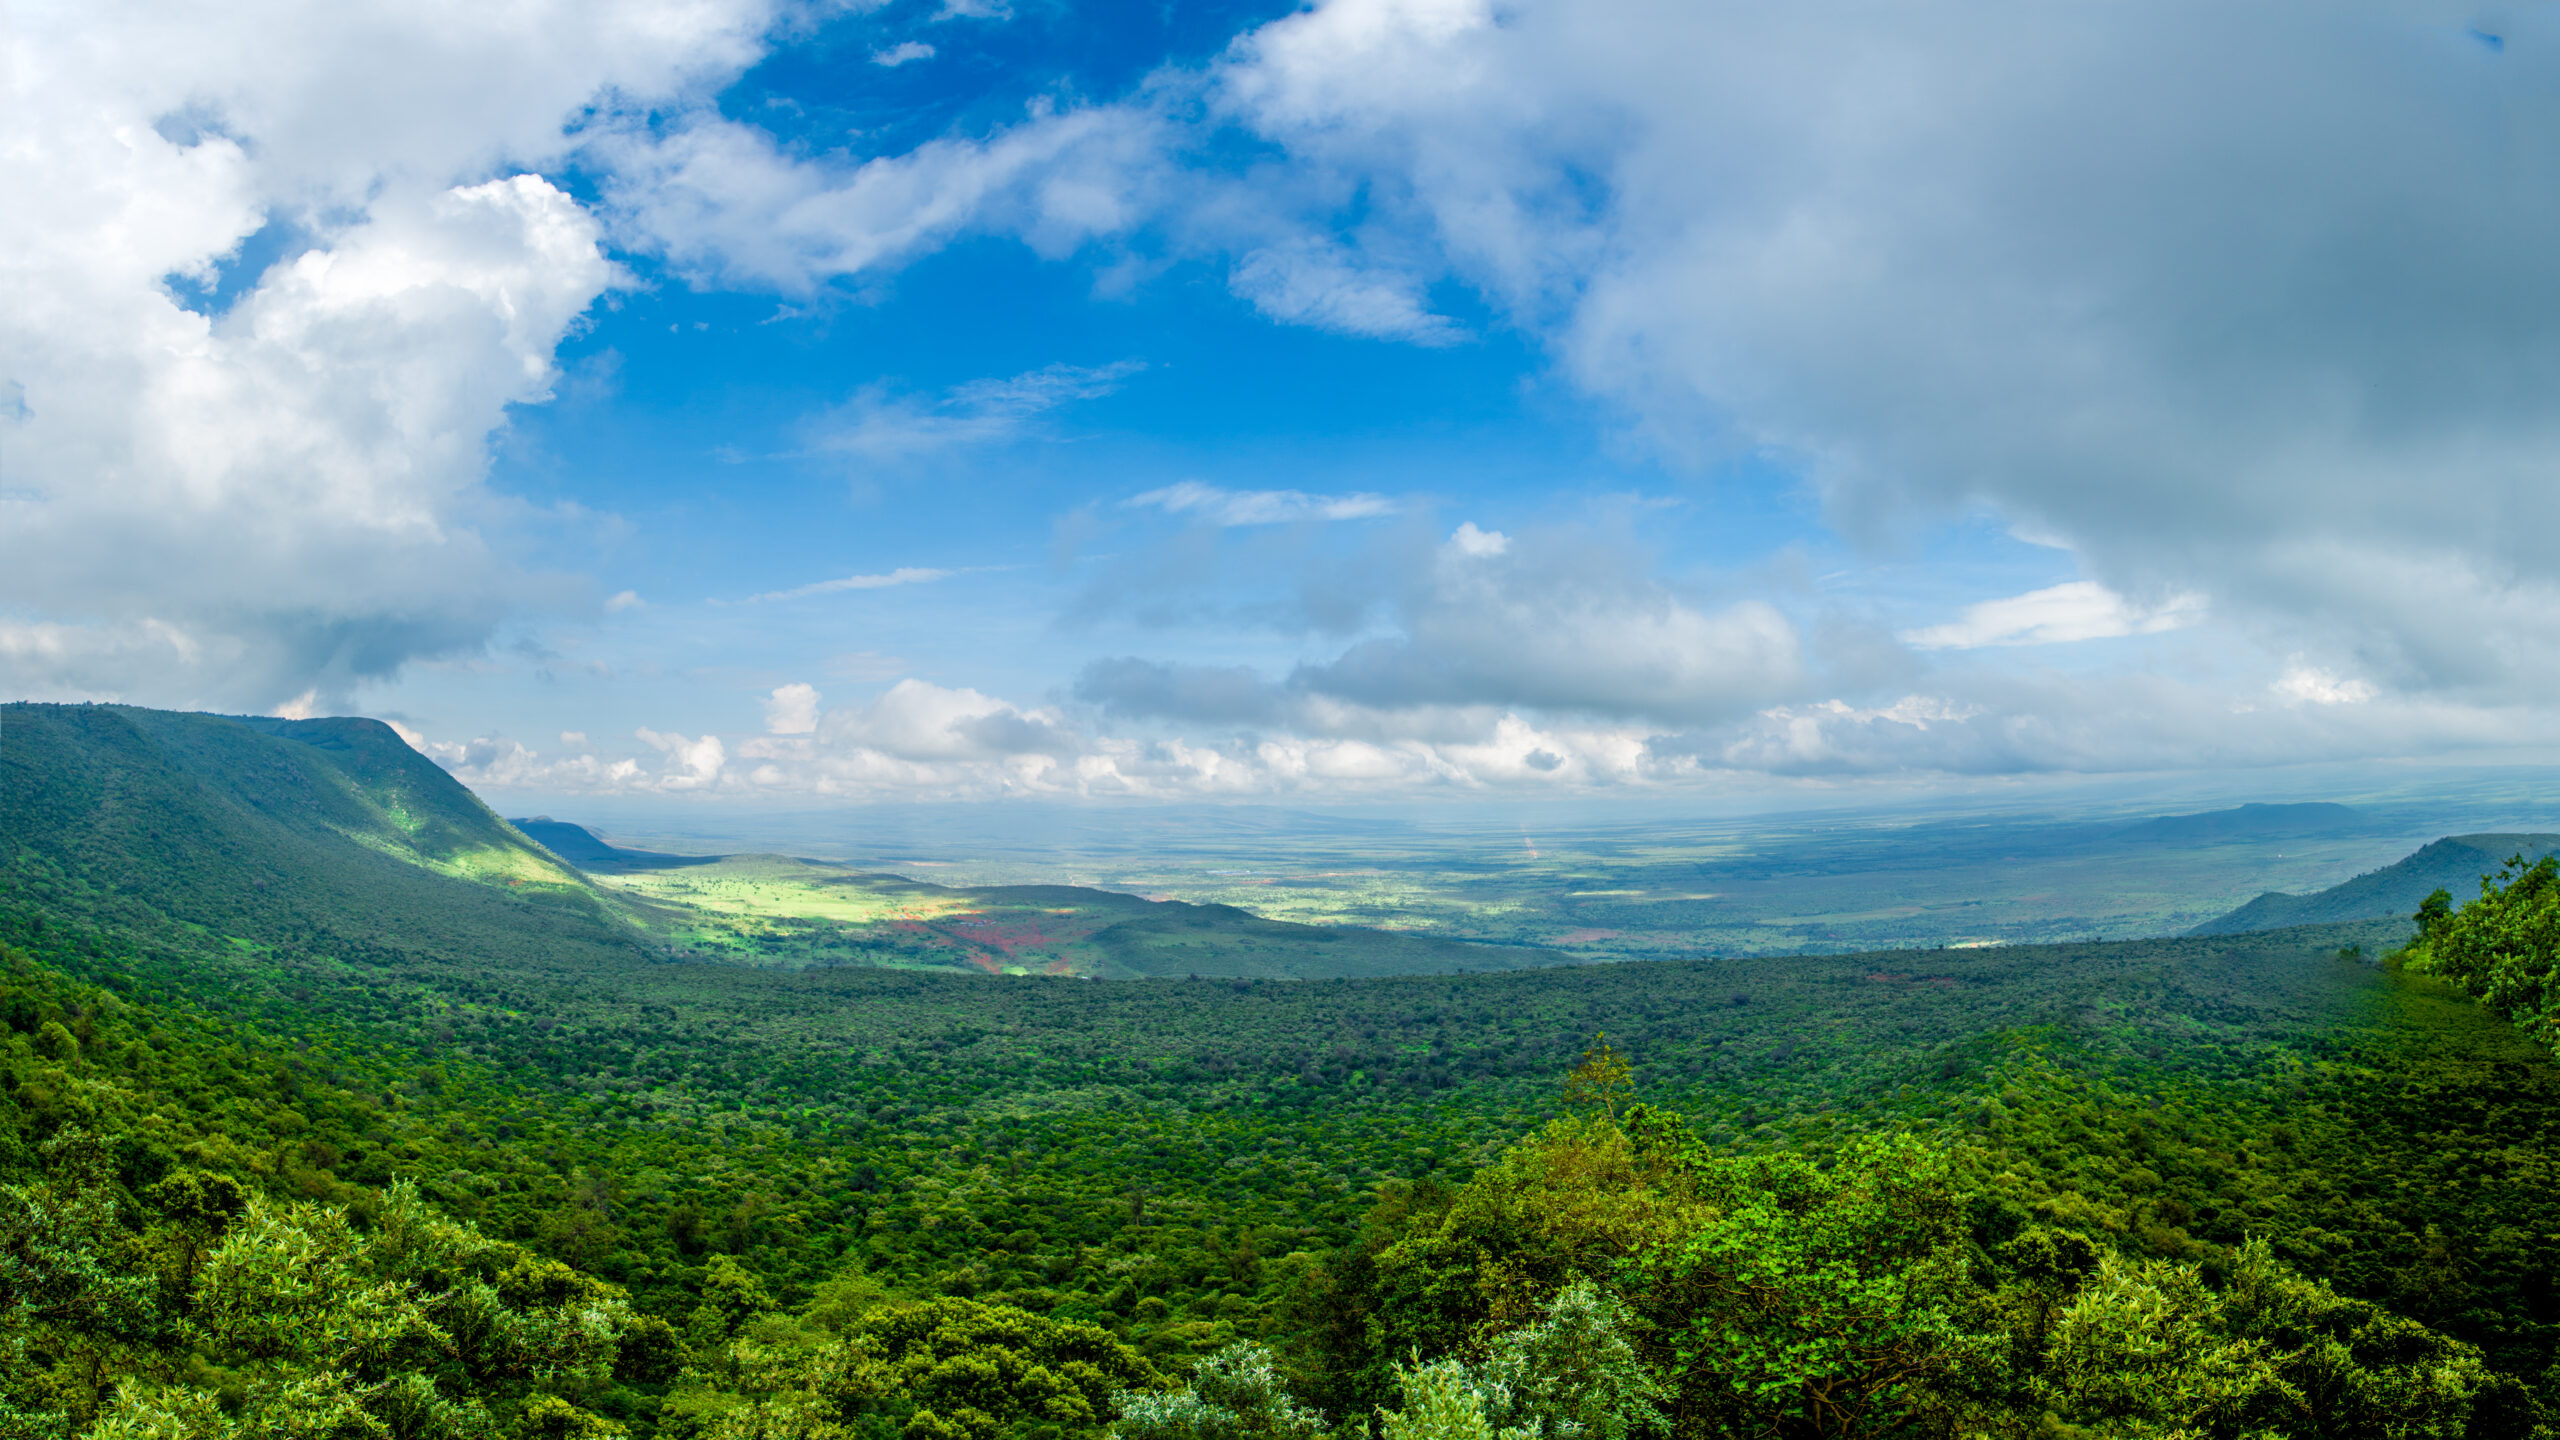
column 2454, row 864
column 331, row 835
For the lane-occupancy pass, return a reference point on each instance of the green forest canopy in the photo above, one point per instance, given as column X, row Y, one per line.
column 314, row 1170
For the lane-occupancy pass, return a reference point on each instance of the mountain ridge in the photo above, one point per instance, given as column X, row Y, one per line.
column 246, row 825
column 2254, row 819
column 2455, row 863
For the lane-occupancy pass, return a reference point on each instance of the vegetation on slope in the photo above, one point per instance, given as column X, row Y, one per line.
column 2455, row 863
column 2269, row 1186
column 197, row 832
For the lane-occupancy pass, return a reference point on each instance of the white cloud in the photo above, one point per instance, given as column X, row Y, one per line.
column 692, row 764
column 1316, row 282
column 878, row 426
column 284, row 492
column 792, row 710
column 2302, row 684
column 1563, row 625
column 1938, row 260
column 903, row 575
column 495, row 763
column 2279, row 351
column 918, row 721
column 918, row 740
column 1551, row 622
column 239, row 509
column 903, row 53
column 624, row 600
column 723, row 201
column 2111, row 724
column 2056, row 615
column 2253, row 347
column 1259, row 507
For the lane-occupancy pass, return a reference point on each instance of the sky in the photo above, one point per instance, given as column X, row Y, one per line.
column 799, row 403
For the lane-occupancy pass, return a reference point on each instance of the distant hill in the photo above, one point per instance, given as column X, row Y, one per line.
column 576, row 844
column 2248, row 822
column 2454, row 863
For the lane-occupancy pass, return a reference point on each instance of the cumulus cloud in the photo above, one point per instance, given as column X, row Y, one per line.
column 2048, row 723
column 903, row 53
column 918, row 721
column 280, row 496
column 239, row 486
column 496, row 763
column 692, row 763
column 792, row 709
column 2264, row 343
column 1209, row 732
column 921, row 740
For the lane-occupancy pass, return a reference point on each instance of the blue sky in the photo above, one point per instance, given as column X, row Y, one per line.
column 1383, row 398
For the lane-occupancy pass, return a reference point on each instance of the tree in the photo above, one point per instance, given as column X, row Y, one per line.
column 1235, row 1394
column 1817, row 1300
column 2147, row 1344
column 2503, row 946
column 1571, row 1375
column 947, row 1369
column 1601, row 1083
column 421, row 1329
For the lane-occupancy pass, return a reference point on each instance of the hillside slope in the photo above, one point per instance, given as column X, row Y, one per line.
column 2454, row 863
column 329, row 836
